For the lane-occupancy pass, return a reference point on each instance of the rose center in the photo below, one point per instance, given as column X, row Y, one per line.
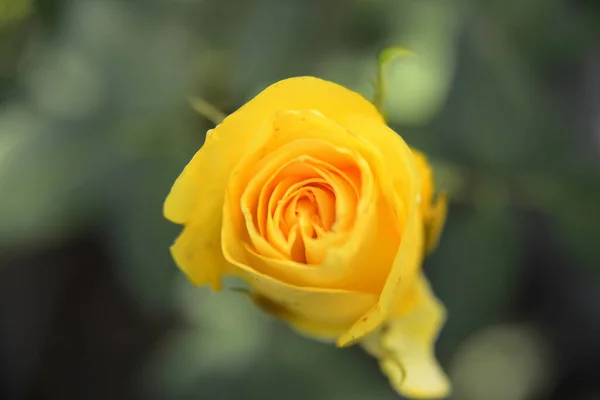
column 311, row 201
column 311, row 208
column 305, row 206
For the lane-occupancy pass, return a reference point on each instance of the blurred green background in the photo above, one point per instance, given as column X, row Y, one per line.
column 95, row 126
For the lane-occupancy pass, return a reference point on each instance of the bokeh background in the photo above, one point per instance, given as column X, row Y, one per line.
column 95, row 125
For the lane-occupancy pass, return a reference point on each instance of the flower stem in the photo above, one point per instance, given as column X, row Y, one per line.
column 207, row 110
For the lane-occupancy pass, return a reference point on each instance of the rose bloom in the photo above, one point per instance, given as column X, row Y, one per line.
column 307, row 195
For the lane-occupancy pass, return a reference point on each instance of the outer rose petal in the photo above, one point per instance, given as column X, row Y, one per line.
column 434, row 212
column 437, row 219
column 405, row 345
column 198, row 194
column 427, row 183
column 318, row 313
column 198, row 255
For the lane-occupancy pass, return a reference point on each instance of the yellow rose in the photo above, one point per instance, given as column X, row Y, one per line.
column 326, row 213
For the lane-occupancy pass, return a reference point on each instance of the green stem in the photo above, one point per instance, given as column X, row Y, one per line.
column 207, row 110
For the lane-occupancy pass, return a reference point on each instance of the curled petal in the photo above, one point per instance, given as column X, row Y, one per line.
column 404, row 345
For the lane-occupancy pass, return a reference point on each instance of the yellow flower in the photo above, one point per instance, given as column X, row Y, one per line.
column 326, row 213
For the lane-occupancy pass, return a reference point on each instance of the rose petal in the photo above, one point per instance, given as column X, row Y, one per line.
column 199, row 256
column 405, row 345
column 320, row 313
column 436, row 222
column 434, row 212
